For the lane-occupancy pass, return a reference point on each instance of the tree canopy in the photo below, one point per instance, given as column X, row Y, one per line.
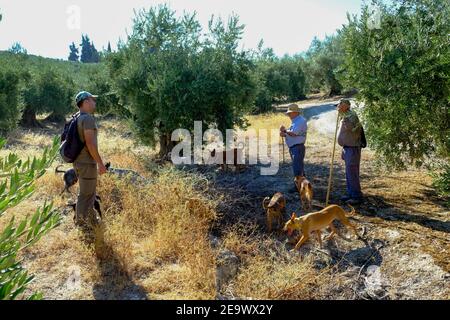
column 402, row 72
column 169, row 76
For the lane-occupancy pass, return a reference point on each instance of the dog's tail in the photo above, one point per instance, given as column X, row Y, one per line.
column 59, row 171
column 309, row 192
column 266, row 202
column 351, row 213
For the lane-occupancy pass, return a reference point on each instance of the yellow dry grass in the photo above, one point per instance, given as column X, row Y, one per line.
column 151, row 245
column 267, row 270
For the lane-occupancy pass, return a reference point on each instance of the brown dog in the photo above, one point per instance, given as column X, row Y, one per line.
column 305, row 190
column 316, row 221
column 275, row 207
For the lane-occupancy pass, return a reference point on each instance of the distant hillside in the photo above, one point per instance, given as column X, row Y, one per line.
column 80, row 72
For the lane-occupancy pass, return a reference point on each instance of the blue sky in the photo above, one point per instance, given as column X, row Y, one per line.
column 47, row 27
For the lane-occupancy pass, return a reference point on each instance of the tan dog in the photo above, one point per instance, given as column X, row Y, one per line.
column 305, row 190
column 316, row 221
column 275, row 207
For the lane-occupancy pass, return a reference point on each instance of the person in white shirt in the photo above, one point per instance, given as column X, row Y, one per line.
column 295, row 138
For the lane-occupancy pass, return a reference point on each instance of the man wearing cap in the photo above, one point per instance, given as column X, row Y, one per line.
column 86, row 163
column 295, row 138
column 350, row 138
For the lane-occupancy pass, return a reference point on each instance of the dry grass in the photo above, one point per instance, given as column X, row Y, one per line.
column 268, row 271
column 149, row 240
column 150, row 246
column 154, row 242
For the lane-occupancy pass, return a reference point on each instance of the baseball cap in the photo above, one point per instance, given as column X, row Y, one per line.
column 83, row 95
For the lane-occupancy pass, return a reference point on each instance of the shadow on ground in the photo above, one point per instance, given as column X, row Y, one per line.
column 115, row 283
column 246, row 190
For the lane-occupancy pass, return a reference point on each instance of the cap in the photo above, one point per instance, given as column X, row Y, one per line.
column 83, row 95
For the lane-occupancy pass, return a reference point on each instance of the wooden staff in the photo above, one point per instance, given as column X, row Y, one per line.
column 332, row 161
column 282, row 141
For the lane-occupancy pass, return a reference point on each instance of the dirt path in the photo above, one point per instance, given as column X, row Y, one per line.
column 405, row 253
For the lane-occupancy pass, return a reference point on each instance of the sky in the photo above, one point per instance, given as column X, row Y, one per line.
column 47, row 27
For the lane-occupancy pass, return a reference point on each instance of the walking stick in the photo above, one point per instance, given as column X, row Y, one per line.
column 282, row 141
column 332, row 162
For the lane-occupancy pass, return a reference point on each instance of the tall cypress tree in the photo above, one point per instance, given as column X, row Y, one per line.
column 86, row 50
column 89, row 53
column 109, row 47
column 95, row 56
column 74, row 53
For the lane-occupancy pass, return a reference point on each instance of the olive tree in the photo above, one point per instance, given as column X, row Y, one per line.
column 277, row 79
column 10, row 108
column 402, row 71
column 169, row 75
column 323, row 62
column 46, row 91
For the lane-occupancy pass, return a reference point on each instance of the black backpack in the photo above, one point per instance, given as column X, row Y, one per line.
column 71, row 144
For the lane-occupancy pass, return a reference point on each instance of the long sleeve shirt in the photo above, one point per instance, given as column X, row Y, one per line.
column 350, row 130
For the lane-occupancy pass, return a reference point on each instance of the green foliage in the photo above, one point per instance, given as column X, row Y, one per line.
column 74, row 54
column 107, row 101
column 9, row 99
column 168, row 75
column 48, row 92
column 323, row 62
column 10, row 110
column 79, row 72
column 441, row 180
column 89, row 53
column 36, row 76
column 402, row 71
column 277, row 80
column 17, row 184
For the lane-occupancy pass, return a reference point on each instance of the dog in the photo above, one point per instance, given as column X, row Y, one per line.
column 275, row 207
column 305, row 190
column 70, row 178
column 316, row 221
column 97, row 207
column 126, row 173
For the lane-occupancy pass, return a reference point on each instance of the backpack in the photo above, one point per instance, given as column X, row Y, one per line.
column 71, row 144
